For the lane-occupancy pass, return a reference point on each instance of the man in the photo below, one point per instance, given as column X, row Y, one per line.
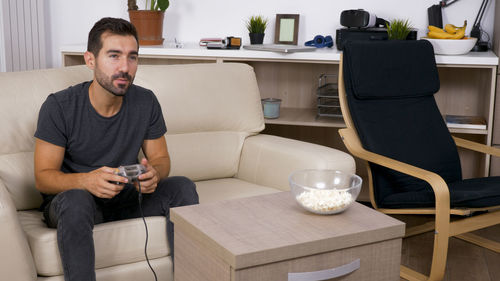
column 85, row 132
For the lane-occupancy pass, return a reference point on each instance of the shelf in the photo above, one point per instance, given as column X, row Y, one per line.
column 305, row 117
column 324, row 55
column 468, row 131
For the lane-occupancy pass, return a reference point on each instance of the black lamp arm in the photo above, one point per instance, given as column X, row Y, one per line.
column 480, row 13
column 446, row 3
column 476, row 28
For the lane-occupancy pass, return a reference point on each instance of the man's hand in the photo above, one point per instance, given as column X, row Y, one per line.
column 149, row 180
column 103, row 182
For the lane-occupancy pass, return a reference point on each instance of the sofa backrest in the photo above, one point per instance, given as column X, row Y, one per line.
column 209, row 110
column 21, row 95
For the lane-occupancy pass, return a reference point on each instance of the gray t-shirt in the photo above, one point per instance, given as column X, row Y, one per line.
column 68, row 119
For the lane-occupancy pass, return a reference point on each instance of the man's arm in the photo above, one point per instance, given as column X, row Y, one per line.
column 157, row 163
column 50, row 180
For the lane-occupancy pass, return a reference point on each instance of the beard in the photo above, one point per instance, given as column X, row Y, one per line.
column 107, row 82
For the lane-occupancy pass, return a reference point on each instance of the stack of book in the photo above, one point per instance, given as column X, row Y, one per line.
column 465, row 122
column 205, row 41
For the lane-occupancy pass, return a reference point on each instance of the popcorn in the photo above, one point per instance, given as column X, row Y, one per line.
column 325, row 200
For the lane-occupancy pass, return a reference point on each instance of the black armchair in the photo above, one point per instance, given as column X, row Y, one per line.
column 386, row 92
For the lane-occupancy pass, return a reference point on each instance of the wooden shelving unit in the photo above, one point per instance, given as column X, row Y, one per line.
column 467, row 88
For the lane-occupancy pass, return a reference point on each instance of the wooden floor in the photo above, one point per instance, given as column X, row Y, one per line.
column 466, row 261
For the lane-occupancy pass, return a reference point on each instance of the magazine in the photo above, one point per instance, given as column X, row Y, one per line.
column 465, row 122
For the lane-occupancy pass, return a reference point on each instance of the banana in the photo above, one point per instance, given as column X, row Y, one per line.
column 450, row 32
column 435, row 29
column 440, row 35
column 450, row 28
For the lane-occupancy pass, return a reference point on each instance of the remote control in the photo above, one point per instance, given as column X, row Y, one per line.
column 131, row 172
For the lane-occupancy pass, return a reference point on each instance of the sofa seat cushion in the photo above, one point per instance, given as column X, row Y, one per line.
column 229, row 188
column 119, row 242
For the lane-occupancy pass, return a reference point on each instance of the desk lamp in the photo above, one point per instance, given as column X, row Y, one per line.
column 435, row 15
column 481, row 46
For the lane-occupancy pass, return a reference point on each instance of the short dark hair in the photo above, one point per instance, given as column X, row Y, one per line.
column 113, row 25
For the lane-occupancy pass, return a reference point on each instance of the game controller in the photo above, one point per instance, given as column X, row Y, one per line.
column 131, row 172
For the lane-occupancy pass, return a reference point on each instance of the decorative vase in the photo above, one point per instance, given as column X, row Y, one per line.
column 149, row 25
column 256, row 38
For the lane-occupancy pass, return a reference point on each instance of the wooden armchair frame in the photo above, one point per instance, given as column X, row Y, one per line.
column 442, row 226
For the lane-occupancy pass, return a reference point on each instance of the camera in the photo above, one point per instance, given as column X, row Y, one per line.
column 230, row 42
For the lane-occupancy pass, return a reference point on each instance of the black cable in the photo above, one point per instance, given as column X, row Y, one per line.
column 146, row 227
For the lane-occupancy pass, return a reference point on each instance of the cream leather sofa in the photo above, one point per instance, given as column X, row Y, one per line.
column 213, row 115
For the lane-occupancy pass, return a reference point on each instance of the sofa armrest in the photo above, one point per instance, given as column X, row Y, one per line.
column 269, row 160
column 16, row 260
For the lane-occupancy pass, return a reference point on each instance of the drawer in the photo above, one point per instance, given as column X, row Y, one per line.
column 378, row 261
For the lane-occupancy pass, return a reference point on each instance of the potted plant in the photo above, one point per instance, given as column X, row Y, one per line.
column 256, row 26
column 398, row 29
column 148, row 22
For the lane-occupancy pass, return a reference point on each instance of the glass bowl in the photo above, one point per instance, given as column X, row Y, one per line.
column 324, row 192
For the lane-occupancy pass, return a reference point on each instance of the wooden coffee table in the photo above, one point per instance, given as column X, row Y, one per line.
column 270, row 237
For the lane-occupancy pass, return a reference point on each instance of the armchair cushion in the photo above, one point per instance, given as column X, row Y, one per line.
column 470, row 193
column 369, row 80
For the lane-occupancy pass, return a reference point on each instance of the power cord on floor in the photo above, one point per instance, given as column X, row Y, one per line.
column 146, row 227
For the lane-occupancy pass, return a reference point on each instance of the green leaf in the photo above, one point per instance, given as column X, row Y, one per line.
column 398, row 29
column 256, row 24
column 158, row 5
column 163, row 4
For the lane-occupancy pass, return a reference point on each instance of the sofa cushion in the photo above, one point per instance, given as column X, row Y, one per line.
column 269, row 160
column 122, row 242
column 205, row 97
column 17, row 174
column 231, row 188
column 128, row 272
column 22, row 95
column 205, row 155
column 119, row 242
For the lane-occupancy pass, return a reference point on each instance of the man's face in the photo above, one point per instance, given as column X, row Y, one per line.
column 116, row 64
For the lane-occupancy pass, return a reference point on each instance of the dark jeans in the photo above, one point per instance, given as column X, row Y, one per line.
column 75, row 212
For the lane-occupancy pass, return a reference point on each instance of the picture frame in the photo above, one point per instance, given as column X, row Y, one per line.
column 287, row 29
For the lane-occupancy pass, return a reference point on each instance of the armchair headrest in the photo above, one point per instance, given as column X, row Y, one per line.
column 366, row 64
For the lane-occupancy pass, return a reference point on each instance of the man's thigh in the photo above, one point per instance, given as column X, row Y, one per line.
column 171, row 192
column 73, row 204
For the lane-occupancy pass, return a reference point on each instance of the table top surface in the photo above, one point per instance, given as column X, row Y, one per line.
column 331, row 55
column 268, row 228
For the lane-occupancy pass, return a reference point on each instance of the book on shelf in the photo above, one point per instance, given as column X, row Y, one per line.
column 205, row 41
column 465, row 122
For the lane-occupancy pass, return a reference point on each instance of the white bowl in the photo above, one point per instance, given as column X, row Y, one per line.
column 452, row 46
column 324, row 192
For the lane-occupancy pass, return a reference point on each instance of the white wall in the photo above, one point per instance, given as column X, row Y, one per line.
column 189, row 20
column 3, row 66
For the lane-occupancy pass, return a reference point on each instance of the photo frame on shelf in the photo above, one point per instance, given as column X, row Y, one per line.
column 287, row 29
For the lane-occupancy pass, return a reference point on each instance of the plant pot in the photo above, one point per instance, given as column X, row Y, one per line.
column 256, row 38
column 149, row 25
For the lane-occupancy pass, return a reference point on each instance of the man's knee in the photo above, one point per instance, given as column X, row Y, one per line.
column 184, row 188
column 76, row 204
